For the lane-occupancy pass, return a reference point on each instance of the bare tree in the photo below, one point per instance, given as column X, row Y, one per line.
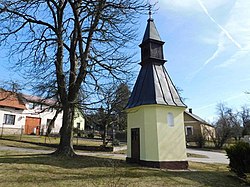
column 68, row 45
column 108, row 113
column 105, row 112
column 223, row 126
column 236, row 125
column 245, row 120
column 8, row 89
column 121, row 97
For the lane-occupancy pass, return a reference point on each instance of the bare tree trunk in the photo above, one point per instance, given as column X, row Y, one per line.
column 65, row 148
column 104, row 140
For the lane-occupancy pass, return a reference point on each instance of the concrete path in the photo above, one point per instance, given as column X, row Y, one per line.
column 27, row 150
column 213, row 157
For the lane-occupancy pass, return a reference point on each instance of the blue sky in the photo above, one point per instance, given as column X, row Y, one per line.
column 207, row 45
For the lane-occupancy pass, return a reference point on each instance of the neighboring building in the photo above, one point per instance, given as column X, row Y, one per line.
column 246, row 138
column 197, row 128
column 79, row 120
column 155, row 131
column 20, row 113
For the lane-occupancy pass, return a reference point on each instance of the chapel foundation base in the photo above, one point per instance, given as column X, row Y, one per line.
column 173, row 165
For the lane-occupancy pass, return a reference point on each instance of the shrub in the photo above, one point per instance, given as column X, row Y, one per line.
column 200, row 141
column 239, row 156
column 121, row 135
column 91, row 135
column 77, row 132
column 116, row 142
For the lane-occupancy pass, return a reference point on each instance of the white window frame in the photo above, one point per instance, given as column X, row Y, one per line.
column 31, row 105
column 170, row 119
column 6, row 120
column 192, row 130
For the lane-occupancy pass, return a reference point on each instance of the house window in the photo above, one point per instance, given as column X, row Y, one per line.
column 41, row 107
column 50, row 109
column 189, row 130
column 31, row 105
column 78, row 125
column 170, row 119
column 48, row 123
column 9, row 119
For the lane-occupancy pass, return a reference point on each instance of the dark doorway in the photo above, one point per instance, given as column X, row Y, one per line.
column 135, row 144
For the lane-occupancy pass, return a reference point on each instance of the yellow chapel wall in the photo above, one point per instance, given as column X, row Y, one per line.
column 151, row 152
column 135, row 119
column 172, row 144
column 143, row 117
column 158, row 141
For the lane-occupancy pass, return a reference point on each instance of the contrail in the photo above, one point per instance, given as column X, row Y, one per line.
column 224, row 30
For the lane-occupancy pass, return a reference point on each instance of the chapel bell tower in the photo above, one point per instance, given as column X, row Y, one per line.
column 156, row 136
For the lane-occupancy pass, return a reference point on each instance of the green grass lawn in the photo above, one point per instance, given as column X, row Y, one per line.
column 22, row 169
column 30, row 169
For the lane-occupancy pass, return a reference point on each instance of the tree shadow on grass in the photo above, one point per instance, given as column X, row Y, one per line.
column 51, row 145
column 78, row 161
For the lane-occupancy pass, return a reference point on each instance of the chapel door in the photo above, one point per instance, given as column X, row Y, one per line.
column 135, row 144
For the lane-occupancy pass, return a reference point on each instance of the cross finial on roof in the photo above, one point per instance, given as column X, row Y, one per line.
column 150, row 10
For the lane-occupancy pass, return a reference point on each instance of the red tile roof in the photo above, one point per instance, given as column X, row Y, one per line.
column 10, row 99
column 36, row 99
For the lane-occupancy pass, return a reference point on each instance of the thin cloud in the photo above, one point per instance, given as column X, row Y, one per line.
column 235, row 57
column 188, row 5
column 234, row 97
column 245, row 80
column 222, row 28
column 219, row 50
column 239, row 26
column 222, row 46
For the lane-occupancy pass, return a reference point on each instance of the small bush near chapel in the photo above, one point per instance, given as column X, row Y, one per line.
column 239, row 156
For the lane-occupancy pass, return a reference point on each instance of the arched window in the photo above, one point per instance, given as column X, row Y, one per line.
column 170, row 119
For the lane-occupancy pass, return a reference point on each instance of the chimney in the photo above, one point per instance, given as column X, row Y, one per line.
column 190, row 110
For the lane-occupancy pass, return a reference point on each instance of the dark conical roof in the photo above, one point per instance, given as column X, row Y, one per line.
column 151, row 31
column 154, row 86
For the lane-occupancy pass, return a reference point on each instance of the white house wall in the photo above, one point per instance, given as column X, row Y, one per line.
column 20, row 118
column 45, row 115
column 19, row 121
column 79, row 119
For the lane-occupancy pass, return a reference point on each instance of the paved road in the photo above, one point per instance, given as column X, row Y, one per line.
column 213, row 157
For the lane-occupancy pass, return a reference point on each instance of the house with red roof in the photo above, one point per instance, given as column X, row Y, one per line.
column 20, row 113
